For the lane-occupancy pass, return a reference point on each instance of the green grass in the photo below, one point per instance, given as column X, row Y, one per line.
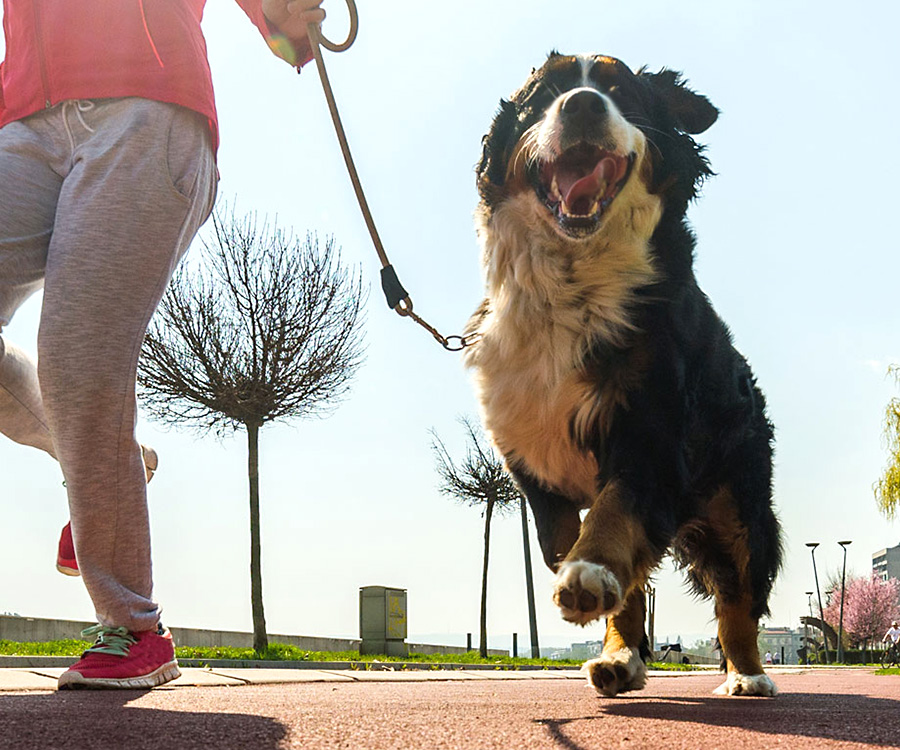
column 671, row 666
column 281, row 652
column 50, row 648
column 892, row 670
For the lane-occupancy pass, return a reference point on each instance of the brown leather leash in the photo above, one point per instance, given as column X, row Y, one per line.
column 398, row 298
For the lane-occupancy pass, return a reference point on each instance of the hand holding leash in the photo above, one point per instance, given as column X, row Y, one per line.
column 397, row 297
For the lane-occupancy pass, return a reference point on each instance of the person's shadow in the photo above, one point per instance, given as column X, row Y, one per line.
column 101, row 719
column 841, row 718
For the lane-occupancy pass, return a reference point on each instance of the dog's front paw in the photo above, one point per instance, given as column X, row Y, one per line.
column 616, row 672
column 747, row 684
column 585, row 591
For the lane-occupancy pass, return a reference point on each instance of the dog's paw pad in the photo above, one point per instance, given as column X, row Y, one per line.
column 747, row 684
column 616, row 672
column 586, row 591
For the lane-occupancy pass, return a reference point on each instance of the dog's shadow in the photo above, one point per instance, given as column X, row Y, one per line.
column 101, row 719
column 839, row 718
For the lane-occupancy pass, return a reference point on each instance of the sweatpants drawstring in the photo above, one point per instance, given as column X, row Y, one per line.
column 79, row 106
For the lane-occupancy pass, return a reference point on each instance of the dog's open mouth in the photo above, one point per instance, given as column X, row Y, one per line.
column 581, row 184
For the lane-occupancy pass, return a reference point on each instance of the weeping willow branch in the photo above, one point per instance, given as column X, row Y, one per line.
column 887, row 487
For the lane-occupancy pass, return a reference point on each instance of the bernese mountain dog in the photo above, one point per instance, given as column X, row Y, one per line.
column 606, row 379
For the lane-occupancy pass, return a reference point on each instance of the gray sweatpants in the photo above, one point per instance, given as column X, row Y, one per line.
column 98, row 202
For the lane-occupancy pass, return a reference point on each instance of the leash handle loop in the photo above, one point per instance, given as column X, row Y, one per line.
column 351, row 35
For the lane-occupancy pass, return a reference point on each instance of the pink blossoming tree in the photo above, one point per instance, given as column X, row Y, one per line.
column 870, row 605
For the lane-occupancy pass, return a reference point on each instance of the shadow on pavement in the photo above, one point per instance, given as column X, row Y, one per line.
column 844, row 718
column 103, row 719
column 558, row 735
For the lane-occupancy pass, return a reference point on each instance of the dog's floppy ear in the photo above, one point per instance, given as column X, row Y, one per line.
column 496, row 148
column 693, row 113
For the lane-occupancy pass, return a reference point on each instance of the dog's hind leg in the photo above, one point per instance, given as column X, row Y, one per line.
column 738, row 631
column 621, row 666
column 723, row 564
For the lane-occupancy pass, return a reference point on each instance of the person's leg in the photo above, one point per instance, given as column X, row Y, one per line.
column 29, row 188
column 142, row 183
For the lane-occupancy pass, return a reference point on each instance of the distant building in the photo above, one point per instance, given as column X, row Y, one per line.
column 886, row 563
column 576, row 651
column 586, row 650
column 781, row 641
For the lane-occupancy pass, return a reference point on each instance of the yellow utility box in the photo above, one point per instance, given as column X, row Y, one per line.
column 382, row 621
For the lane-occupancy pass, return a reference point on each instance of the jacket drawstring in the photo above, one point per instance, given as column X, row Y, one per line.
column 149, row 35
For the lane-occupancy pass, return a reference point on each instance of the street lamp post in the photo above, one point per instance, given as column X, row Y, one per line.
column 812, row 548
column 841, row 625
column 806, row 625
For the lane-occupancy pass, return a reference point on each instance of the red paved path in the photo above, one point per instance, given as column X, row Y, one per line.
column 814, row 710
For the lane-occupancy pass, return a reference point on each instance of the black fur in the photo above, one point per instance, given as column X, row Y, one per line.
column 693, row 419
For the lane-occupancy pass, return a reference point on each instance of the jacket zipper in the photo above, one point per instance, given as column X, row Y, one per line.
column 40, row 51
column 149, row 35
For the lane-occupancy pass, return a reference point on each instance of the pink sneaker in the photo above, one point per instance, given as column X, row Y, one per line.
column 65, row 553
column 125, row 660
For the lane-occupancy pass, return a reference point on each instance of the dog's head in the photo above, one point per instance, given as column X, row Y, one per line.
column 585, row 134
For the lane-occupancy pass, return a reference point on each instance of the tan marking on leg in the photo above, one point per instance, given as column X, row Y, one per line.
column 620, row 667
column 731, row 533
column 613, row 538
column 565, row 535
column 738, row 633
column 626, row 629
column 738, row 630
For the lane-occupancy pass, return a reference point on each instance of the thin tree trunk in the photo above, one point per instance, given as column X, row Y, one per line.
column 260, row 639
column 482, row 645
column 529, row 583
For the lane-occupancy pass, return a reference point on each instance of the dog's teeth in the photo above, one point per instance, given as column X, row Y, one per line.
column 554, row 188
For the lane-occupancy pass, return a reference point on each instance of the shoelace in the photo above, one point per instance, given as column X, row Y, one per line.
column 116, row 641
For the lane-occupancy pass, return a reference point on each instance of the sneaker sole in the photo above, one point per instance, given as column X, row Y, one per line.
column 151, row 462
column 76, row 681
column 67, row 571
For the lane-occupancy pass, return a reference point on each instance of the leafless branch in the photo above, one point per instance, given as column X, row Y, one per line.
column 268, row 329
column 480, row 477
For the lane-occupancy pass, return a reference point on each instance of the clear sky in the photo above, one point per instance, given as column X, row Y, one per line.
column 797, row 249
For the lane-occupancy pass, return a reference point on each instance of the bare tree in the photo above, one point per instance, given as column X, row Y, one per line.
column 483, row 481
column 269, row 328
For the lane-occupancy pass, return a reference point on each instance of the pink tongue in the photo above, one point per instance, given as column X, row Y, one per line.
column 589, row 186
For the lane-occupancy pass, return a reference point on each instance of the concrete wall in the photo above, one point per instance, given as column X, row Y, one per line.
column 39, row 630
column 34, row 629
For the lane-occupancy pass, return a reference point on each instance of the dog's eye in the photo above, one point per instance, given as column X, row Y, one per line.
column 538, row 98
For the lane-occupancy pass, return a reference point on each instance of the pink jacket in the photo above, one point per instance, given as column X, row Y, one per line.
column 95, row 49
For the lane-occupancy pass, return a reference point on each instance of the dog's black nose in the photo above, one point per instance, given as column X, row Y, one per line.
column 584, row 103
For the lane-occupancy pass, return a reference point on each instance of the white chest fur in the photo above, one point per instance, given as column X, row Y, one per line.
column 547, row 299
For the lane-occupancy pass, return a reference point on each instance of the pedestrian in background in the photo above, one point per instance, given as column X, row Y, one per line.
column 108, row 136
